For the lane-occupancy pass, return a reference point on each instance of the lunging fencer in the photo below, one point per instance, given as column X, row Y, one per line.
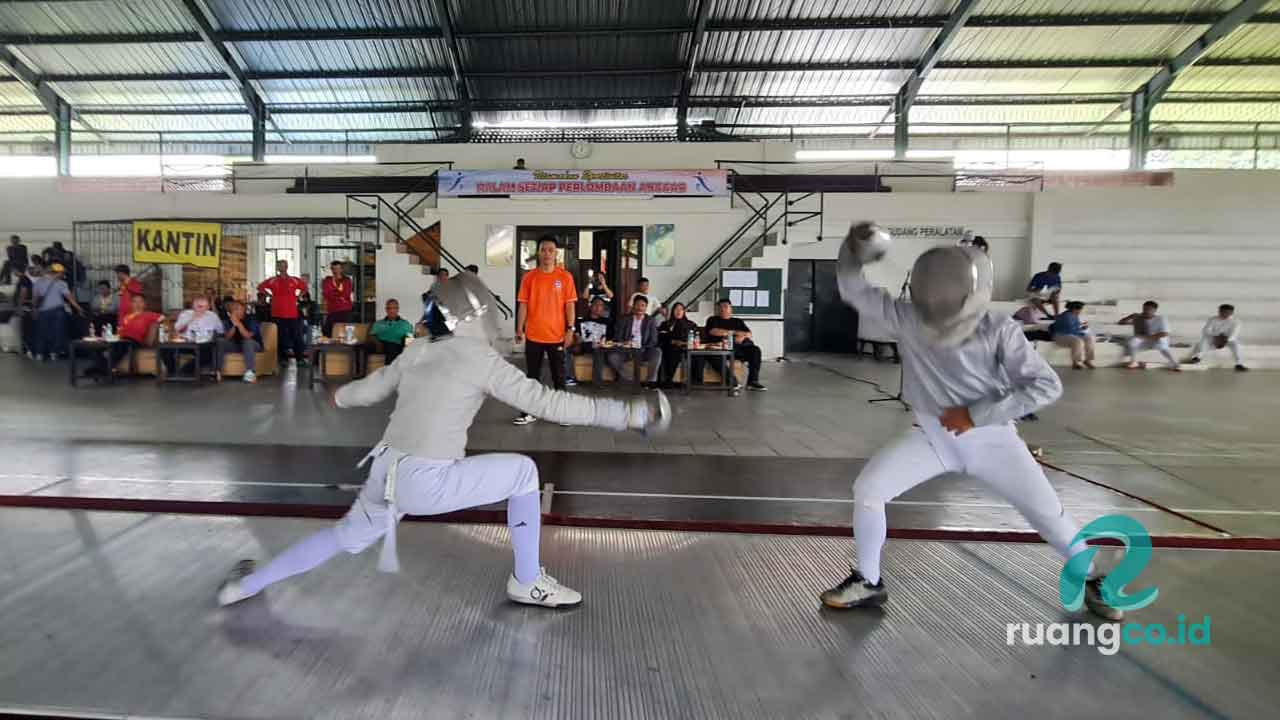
column 969, row 373
column 420, row 466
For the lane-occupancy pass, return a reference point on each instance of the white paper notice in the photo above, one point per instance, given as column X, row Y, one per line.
column 735, row 297
column 740, row 279
column 762, row 298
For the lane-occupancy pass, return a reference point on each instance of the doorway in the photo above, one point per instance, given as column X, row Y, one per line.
column 614, row 252
column 816, row 320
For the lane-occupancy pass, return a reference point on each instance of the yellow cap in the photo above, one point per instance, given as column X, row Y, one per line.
column 57, row 267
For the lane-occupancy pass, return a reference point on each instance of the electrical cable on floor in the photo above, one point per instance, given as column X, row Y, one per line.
column 853, row 378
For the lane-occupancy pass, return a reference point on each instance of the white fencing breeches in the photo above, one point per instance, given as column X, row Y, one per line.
column 995, row 455
column 1206, row 343
column 433, row 487
column 1136, row 344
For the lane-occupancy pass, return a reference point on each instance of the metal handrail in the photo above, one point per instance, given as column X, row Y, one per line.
column 757, row 215
column 377, row 202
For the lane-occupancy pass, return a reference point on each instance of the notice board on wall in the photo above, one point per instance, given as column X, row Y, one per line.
column 754, row 292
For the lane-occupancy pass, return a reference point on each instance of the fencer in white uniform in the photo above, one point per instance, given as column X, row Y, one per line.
column 421, row 467
column 1221, row 330
column 967, row 374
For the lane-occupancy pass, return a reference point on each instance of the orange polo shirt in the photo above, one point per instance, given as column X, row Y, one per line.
column 545, row 294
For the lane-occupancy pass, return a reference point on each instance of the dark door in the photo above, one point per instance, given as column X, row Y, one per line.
column 797, row 323
column 835, row 324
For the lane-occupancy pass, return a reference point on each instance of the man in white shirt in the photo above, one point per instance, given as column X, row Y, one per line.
column 200, row 325
column 1150, row 332
column 655, row 307
column 1222, row 330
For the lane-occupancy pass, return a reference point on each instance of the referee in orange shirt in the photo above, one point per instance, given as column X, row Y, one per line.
column 544, row 316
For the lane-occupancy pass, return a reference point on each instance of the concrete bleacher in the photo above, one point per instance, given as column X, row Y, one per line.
column 1189, row 274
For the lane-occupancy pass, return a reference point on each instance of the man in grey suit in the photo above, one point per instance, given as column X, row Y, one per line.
column 639, row 330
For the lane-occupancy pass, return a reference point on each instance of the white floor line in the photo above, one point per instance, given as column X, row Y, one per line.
column 922, row 503
column 549, row 492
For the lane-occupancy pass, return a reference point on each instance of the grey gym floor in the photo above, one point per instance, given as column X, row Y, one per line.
column 112, row 612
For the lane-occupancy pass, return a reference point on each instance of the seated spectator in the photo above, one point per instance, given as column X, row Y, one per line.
column 640, row 330
column 1221, row 331
column 519, row 164
column 388, row 334
column 52, row 297
column 137, row 329
column 1046, row 286
column 673, row 339
column 242, row 335
column 587, row 333
column 104, row 308
column 432, row 318
column 1150, row 331
column 1070, row 332
column 200, row 324
column 129, row 286
column 473, row 269
column 725, row 324
column 1032, row 328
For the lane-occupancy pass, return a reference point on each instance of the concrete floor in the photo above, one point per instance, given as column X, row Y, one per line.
column 114, row 613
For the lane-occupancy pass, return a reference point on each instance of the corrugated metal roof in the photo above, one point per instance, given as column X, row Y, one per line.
column 1229, row 79
column 577, row 86
column 354, row 121
column 801, row 46
column 167, row 123
column 770, row 84
column 1249, row 41
column 554, row 118
column 567, row 53
column 765, row 10
column 13, row 94
column 1057, row 43
column 93, row 16
column 134, row 59
column 1001, row 114
column 344, row 55
column 1085, row 7
column 349, row 90
column 321, row 14
column 1217, row 112
column 853, row 116
column 469, row 15
column 132, row 94
column 1035, row 82
column 24, row 123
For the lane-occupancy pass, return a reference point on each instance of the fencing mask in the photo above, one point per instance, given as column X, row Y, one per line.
column 950, row 289
column 469, row 309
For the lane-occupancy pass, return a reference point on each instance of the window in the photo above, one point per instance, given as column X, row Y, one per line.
column 280, row 247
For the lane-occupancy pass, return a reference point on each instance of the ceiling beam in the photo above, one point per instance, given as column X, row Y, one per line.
column 58, row 107
column 907, row 93
column 697, row 34
column 1151, row 92
column 252, row 101
column 802, row 24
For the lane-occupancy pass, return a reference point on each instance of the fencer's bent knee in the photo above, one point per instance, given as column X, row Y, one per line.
column 360, row 527
column 527, row 471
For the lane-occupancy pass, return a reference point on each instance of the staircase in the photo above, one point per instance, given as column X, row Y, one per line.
column 422, row 247
column 759, row 242
column 1188, row 274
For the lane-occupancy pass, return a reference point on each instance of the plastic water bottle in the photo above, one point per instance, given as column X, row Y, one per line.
column 693, row 337
column 350, row 332
column 316, row 333
column 728, row 341
column 163, row 333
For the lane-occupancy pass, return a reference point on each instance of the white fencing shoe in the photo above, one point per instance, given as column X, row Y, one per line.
column 544, row 590
column 230, row 591
column 854, row 591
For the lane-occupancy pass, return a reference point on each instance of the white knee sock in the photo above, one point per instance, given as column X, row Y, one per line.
column 870, row 528
column 524, row 518
column 310, row 552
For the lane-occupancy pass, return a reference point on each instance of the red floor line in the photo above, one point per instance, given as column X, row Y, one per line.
column 329, row 512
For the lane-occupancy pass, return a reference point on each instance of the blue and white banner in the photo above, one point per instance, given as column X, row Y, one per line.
column 579, row 183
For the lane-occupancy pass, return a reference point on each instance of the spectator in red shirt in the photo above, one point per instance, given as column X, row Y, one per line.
column 129, row 286
column 284, row 290
column 138, row 328
column 336, row 291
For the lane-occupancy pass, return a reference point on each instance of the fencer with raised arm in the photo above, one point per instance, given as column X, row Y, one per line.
column 420, row 467
column 967, row 374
